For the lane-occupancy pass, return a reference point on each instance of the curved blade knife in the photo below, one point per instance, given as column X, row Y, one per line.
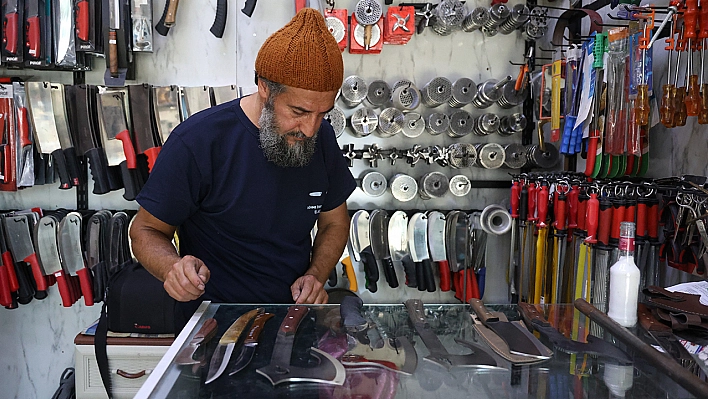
column 222, row 353
column 45, row 239
column 519, row 343
column 362, row 245
column 436, row 242
column 398, row 245
column 205, row 333
column 251, row 342
column 418, row 244
column 378, row 234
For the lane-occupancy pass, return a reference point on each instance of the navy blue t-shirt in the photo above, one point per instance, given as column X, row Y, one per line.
column 246, row 218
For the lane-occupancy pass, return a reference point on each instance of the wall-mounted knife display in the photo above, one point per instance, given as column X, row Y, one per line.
column 169, row 16
column 40, row 248
column 64, row 33
column 166, row 106
column 195, row 99
column 142, row 25
column 12, row 32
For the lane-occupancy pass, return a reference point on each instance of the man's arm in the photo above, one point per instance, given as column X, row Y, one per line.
column 151, row 240
column 332, row 234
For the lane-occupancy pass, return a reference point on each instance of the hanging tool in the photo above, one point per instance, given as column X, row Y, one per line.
column 556, row 95
column 559, row 243
column 703, row 35
column 641, row 109
column 693, row 97
column 368, row 13
column 542, row 206
column 514, row 251
column 666, row 110
column 679, row 98
column 594, row 154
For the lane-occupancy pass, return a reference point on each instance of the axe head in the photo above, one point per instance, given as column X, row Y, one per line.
column 478, row 359
column 397, row 354
column 328, row 371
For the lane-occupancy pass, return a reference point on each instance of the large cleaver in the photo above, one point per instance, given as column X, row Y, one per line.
column 398, row 245
column 328, row 371
column 378, row 234
column 45, row 239
column 361, row 242
column 69, row 238
column 418, row 244
column 19, row 239
column 436, row 244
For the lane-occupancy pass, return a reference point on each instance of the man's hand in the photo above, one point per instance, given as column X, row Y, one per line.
column 308, row 290
column 186, row 279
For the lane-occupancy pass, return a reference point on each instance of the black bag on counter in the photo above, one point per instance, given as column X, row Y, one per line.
column 135, row 302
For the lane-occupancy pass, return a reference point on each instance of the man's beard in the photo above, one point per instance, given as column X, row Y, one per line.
column 275, row 145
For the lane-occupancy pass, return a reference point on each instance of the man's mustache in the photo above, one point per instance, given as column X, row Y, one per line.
column 297, row 134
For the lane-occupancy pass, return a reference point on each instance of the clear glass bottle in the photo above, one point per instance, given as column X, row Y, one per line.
column 624, row 280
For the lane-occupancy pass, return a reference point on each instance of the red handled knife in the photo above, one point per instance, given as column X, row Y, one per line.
column 34, row 36
column 82, row 20
column 12, row 23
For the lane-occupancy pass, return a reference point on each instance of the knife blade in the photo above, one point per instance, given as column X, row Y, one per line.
column 19, row 240
column 519, row 344
column 250, row 343
column 204, row 335
column 34, row 38
column 196, row 99
column 165, row 102
column 398, row 245
column 116, row 125
column 62, row 123
column 418, row 244
column 222, row 353
column 11, row 26
column 69, row 237
column 39, row 96
column 45, row 238
column 143, row 125
column 378, row 234
column 362, row 245
column 64, row 32
column 224, row 94
column 436, row 244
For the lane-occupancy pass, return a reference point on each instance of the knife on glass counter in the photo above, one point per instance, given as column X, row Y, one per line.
column 203, row 336
column 222, row 354
column 250, row 344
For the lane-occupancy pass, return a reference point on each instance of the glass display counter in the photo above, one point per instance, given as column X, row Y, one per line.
column 562, row 376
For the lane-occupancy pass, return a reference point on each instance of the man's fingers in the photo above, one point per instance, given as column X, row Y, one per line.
column 204, row 273
column 191, row 268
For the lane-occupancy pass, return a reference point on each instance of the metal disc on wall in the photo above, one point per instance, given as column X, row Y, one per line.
column 486, row 124
column 353, row 91
column 543, row 159
column 463, row 92
column 512, row 124
column 433, row 185
column 437, row 92
column 403, row 187
column 364, row 121
column 462, row 155
column 336, row 28
column 460, row 185
column 390, row 122
column 379, row 93
column 373, row 184
column 405, row 96
column 515, row 156
column 359, row 35
column 336, row 118
column 413, row 125
column 461, row 124
column 438, row 123
column 490, row 155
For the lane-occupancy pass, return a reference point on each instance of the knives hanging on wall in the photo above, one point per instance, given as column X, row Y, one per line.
column 359, row 234
column 34, row 30
column 12, row 24
column 143, row 122
column 168, row 17
column 398, row 246
column 196, row 99
column 25, row 155
column 69, row 238
column 19, row 240
column 418, row 245
column 39, row 96
column 65, row 140
column 165, row 102
column 436, row 243
column 45, row 239
column 113, row 28
column 224, row 94
column 378, row 234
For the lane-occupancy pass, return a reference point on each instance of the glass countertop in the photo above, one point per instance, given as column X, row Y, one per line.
column 562, row 376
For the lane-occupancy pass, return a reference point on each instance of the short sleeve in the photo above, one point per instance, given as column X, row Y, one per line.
column 341, row 181
column 175, row 186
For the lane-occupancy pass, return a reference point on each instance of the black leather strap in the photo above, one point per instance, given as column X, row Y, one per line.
column 99, row 346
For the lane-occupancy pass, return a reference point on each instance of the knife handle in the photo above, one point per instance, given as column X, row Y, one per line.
column 420, row 276
column 206, row 332
column 371, row 269
column 10, row 267
column 299, row 5
column 292, row 320
column 485, row 316
column 129, row 181
column 7, row 162
column 444, row 268
column 60, row 161
column 351, row 276
column 217, row 28
column 82, row 20
column 161, row 27
column 34, row 38
column 66, row 294
column 24, row 277
column 350, row 312
column 429, row 275
column 532, row 315
column 410, row 269
column 128, row 148
column 415, row 310
column 72, row 165
column 86, row 285
column 257, row 327
column 99, row 171
column 5, row 293
column 38, row 276
column 11, row 24
column 249, row 7
column 171, row 14
column 113, row 53
column 23, row 127
column 151, row 154
column 390, row 272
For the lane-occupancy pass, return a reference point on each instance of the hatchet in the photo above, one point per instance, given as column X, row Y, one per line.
column 438, row 354
column 328, row 370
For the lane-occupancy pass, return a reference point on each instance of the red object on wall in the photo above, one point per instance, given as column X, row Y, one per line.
column 356, row 46
column 399, row 25
column 337, row 23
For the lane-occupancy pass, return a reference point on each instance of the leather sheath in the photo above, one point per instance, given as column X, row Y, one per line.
column 650, row 322
column 500, row 347
column 676, row 302
column 676, row 321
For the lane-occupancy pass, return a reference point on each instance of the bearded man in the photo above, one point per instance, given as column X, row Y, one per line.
column 243, row 184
